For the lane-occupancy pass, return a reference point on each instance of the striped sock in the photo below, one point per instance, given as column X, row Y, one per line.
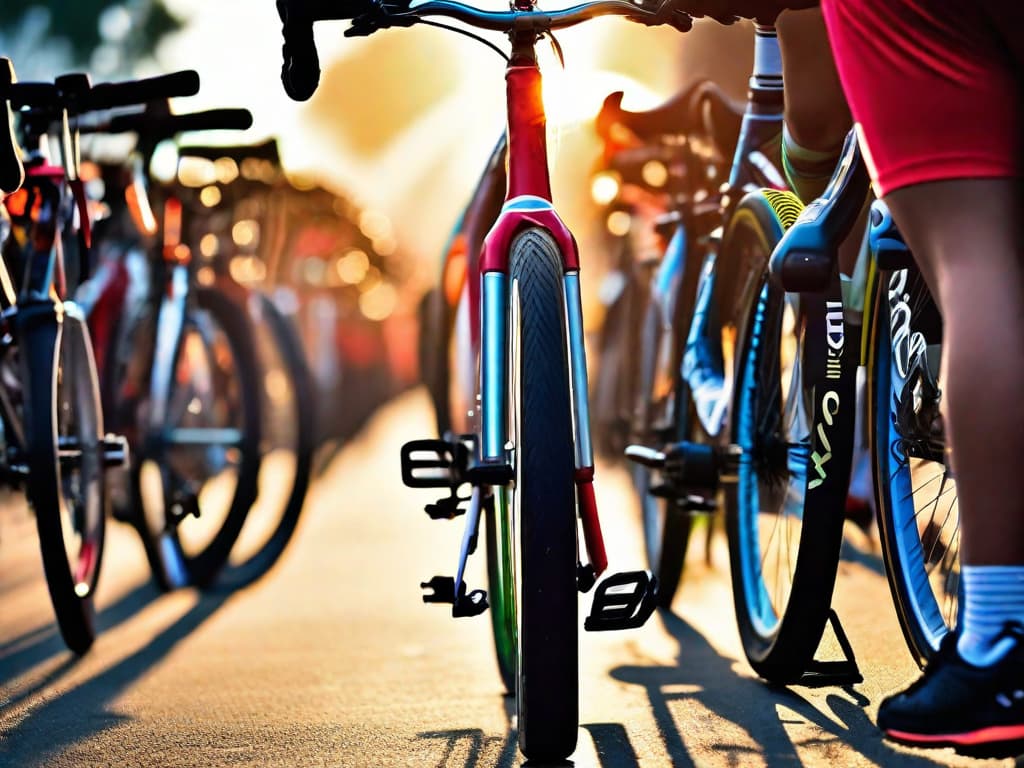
column 993, row 596
column 808, row 171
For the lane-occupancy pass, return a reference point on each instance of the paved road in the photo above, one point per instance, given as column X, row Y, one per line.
column 332, row 660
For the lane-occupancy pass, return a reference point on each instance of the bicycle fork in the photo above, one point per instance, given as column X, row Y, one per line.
column 623, row 600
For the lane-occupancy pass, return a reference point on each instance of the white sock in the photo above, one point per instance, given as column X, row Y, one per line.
column 993, row 596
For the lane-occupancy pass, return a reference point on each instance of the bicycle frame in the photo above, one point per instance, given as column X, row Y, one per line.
column 528, row 204
column 703, row 367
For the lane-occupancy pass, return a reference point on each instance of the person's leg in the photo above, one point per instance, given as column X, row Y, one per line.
column 817, row 117
column 966, row 234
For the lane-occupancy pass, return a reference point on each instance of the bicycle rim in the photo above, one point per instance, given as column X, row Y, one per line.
column 793, row 423
column 916, row 493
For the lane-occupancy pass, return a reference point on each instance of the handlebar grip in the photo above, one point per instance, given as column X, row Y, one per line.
column 33, row 95
column 12, row 173
column 161, row 126
column 110, row 95
column 300, row 68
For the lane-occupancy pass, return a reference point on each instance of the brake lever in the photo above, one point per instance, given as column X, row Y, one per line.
column 664, row 13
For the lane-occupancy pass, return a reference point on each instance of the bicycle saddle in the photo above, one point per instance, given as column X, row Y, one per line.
column 12, row 174
column 701, row 107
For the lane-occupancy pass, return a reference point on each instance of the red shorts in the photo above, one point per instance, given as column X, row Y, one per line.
column 935, row 86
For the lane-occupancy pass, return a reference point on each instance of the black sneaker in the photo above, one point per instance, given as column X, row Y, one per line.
column 955, row 703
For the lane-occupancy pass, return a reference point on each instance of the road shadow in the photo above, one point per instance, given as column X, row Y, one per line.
column 752, row 710
column 19, row 655
column 80, row 713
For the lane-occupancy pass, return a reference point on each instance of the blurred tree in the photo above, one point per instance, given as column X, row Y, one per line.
column 107, row 35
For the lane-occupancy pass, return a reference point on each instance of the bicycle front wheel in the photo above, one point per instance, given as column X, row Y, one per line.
column 792, row 423
column 918, row 513
column 541, row 530
column 63, row 435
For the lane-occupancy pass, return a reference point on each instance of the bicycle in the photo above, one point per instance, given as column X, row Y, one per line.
column 690, row 137
column 256, row 201
column 762, row 390
column 800, row 293
column 54, row 443
column 182, row 379
column 531, row 438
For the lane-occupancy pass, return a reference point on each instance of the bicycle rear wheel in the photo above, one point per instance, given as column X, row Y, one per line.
column 195, row 474
column 63, row 434
column 541, row 537
column 793, row 420
column 918, row 513
column 286, row 388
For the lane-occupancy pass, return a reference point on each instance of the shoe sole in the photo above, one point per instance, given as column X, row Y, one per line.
column 991, row 735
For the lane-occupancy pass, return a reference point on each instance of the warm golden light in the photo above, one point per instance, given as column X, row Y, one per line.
column 210, row 196
column 245, row 232
column 352, row 267
column 604, row 187
column 379, row 302
column 196, row 172
column 209, row 245
column 654, row 173
column 226, row 170
column 618, row 223
column 374, row 224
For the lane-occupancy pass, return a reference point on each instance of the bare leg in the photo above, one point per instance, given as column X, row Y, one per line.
column 967, row 236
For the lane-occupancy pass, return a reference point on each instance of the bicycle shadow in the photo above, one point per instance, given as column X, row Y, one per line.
column 473, row 748
column 83, row 711
column 19, row 655
column 611, row 742
column 750, row 706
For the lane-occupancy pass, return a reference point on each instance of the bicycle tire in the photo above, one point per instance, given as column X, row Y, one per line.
column 780, row 433
column 59, row 381
column 925, row 587
column 289, row 350
column 172, row 565
column 543, row 502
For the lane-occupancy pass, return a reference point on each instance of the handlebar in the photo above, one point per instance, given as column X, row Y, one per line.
column 300, row 73
column 159, row 125
column 12, row 174
column 77, row 95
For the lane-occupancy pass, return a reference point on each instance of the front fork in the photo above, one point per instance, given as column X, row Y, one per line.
column 495, row 448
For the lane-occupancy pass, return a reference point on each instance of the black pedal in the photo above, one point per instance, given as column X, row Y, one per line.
column 464, row 604
column 115, row 451
column 623, row 601
column 433, row 463
column 447, row 508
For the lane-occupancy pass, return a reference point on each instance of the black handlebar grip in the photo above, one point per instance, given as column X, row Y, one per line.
column 12, row 173
column 33, row 95
column 300, row 69
column 110, row 95
column 211, row 120
column 161, row 126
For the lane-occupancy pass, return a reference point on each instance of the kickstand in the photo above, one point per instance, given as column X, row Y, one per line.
column 841, row 672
